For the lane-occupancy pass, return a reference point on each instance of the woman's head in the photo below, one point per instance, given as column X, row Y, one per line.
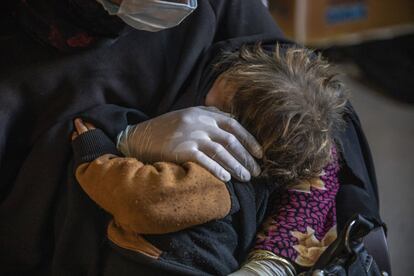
column 292, row 103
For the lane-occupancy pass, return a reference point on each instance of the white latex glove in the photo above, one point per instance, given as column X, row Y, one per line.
column 204, row 135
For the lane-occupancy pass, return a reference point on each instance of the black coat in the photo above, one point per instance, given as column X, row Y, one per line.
column 47, row 223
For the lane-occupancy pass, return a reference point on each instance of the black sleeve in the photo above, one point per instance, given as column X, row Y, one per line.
column 358, row 192
column 90, row 145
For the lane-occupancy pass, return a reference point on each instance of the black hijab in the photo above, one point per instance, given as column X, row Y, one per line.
column 68, row 25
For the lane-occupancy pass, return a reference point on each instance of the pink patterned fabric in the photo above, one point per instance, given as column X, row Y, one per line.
column 303, row 221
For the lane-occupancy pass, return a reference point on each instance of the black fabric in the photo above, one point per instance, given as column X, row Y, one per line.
column 47, row 224
column 90, row 145
column 358, row 193
column 68, row 25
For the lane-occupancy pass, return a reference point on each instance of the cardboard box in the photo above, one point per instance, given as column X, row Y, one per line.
column 328, row 22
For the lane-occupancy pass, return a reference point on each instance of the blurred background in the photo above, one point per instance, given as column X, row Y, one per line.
column 372, row 43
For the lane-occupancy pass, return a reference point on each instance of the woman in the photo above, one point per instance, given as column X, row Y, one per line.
column 70, row 57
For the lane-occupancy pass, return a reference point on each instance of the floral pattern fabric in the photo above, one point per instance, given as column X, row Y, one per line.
column 302, row 223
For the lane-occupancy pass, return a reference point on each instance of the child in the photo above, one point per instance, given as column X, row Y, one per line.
column 293, row 106
column 297, row 90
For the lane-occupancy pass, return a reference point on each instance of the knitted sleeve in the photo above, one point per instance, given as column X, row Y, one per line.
column 147, row 199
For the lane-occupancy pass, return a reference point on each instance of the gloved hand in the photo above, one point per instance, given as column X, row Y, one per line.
column 204, row 135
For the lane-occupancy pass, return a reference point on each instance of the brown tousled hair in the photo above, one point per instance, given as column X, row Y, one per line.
column 292, row 103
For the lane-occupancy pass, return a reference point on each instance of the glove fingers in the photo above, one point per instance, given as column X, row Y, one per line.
column 210, row 165
column 237, row 150
column 220, row 154
column 246, row 139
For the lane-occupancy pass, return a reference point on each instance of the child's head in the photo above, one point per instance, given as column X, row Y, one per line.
column 292, row 103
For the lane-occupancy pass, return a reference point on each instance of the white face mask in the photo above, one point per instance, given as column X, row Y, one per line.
column 151, row 15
